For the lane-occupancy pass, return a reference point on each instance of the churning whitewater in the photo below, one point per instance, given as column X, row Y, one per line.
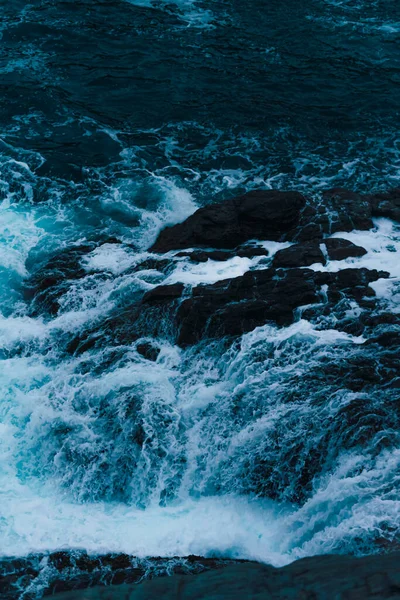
column 127, row 425
column 109, row 451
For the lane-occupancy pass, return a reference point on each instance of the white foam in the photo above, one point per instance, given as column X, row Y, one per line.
column 177, row 205
column 208, row 272
column 345, row 506
column 38, row 516
column 20, row 329
column 113, row 258
column 211, row 271
column 222, row 526
column 19, row 233
column 383, row 251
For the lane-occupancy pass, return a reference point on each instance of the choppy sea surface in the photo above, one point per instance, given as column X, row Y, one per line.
column 116, row 119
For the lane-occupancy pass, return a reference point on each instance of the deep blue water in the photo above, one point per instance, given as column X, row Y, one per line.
column 117, row 118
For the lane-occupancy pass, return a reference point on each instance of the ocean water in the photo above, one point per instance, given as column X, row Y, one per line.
column 117, row 119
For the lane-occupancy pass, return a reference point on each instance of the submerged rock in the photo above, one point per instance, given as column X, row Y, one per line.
column 148, row 350
column 51, row 280
column 260, row 214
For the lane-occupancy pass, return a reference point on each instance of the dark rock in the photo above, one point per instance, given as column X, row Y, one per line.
column 312, row 232
column 86, row 563
column 346, row 279
column 329, row 577
column 200, row 256
column 249, row 251
column 278, row 216
column 235, row 306
column 344, row 211
column 299, row 255
column 61, row 560
column 148, row 351
column 339, row 249
column 387, row 339
column 52, row 280
column 260, row 214
column 386, row 204
column 117, row 561
column 383, row 318
column 163, row 293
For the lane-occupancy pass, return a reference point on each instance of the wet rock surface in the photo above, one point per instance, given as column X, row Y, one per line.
column 386, row 204
column 238, row 305
column 244, row 251
column 120, row 577
column 317, row 578
column 52, row 280
column 234, row 306
column 299, row 255
column 259, row 214
column 148, row 350
column 64, row 571
column 270, row 292
column 340, row 249
column 278, row 216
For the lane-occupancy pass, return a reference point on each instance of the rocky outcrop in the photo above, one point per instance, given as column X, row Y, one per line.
column 163, row 293
column 55, row 573
column 386, row 204
column 52, row 279
column 340, row 249
column 343, row 210
column 299, row 255
column 277, row 216
column 270, row 292
column 353, row 283
column 77, row 576
column 235, row 306
column 261, row 214
column 314, row 578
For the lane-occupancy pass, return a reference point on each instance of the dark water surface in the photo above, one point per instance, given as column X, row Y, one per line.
column 116, row 119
